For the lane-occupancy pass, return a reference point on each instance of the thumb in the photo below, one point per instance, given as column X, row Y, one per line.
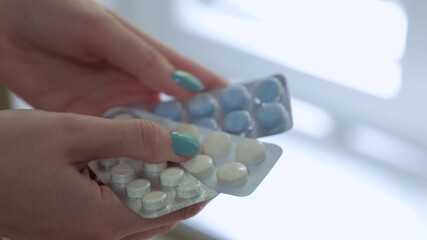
column 97, row 138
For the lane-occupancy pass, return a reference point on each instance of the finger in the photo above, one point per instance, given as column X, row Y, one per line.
column 209, row 79
column 134, row 55
column 114, row 89
column 91, row 138
column 94, row 35
column 85, row 88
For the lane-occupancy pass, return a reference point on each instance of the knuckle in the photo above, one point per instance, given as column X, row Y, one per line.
column 151, row 57
column 149, row 138
column 151, row 62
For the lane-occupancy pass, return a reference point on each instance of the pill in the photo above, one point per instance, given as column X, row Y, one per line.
column 217, row 144
column 269, row 90
column 209, row 123
column 138, row 188
column 237, row 122
column 155, row 167
column 202, row 106
column 250, row 152
column 122, row 173
column 154, row 200
column 232, row 174
column 171, row 110
column 171, row 177
column 189, row 189
column 272, row 116
column 188, row 128
column 107, row 163
column 235, row 98
column 201, row 166
column 123, row 116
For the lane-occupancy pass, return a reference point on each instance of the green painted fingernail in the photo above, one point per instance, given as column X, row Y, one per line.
column 184, row 144
column 187, row 81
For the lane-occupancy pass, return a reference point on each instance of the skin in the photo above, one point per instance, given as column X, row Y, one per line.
column 78, row 57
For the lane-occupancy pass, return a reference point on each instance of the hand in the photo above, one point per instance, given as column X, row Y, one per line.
column 43, row 193
column 77, row 56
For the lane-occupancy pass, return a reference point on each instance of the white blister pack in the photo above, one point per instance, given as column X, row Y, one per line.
column 151, row 190
column 251, row 109
column 227, row 163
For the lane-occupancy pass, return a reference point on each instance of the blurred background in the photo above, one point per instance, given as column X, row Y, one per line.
column 355, row 163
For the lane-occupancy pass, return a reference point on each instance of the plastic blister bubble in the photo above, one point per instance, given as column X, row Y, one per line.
column 151, row 190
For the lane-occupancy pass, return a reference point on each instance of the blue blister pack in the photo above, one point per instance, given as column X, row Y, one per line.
column 251, row 109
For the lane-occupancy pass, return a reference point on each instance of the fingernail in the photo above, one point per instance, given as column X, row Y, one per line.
column 187, row 81
column 184, row 144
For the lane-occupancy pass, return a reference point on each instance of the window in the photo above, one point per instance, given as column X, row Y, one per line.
column 355, row 43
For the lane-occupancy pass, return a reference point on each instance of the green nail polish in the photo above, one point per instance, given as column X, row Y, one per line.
column 187, row 81
column 184, row 144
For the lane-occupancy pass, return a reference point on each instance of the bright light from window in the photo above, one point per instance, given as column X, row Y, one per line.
column 357, row 44
column 310, row 119
column 386, row 147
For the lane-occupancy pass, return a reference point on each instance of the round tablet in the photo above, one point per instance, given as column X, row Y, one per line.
column 250, row 152
column 154, row 200
column 200, row 166
column 207, row 123
column 107, row 163
column 155, row 167
column 237, row 122
column 272, row 116
column 202, row 106
column 188, row 128
column 189, row 189
column 122, row 173
column 138, row 188
column 233, row 174
column 171, row 177
column 217, row 144
column 268, row 90
column 171, row 110
column 235, row 98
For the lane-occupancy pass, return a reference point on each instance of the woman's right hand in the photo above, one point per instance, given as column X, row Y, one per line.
column 45, row 193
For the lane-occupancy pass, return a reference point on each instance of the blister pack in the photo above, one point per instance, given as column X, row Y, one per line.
column 251, row 109
column 227, row 163
column 151, row 190
column 226, row 122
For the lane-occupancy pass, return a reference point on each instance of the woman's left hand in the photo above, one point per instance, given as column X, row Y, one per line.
column 77, row 56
